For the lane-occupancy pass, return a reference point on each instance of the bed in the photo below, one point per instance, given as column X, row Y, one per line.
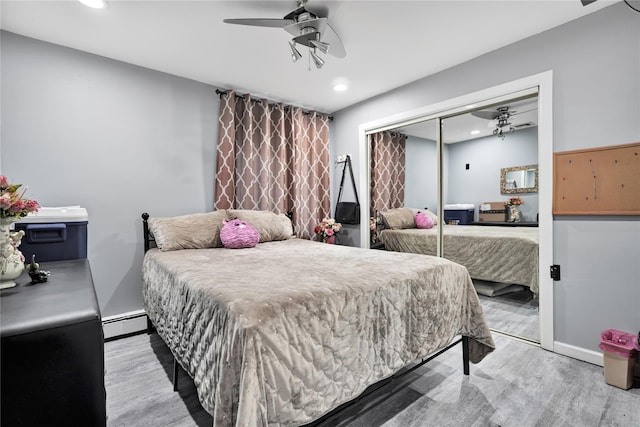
column 496, row 254
column 282, row 333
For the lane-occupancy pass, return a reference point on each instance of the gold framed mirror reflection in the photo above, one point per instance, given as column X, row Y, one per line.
column 519, row 179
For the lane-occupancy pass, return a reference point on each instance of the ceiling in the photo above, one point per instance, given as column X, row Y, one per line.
column 388, row 43
column 523, row 115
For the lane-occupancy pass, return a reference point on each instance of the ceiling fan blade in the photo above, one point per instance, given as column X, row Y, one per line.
column 488, row 115
column 517, row 113
column 259, row 22
column 336, row 48
column 586, row 2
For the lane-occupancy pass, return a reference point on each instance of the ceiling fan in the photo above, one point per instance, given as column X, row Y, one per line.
column 307, row 29
column 499, row 119
column 635, row 6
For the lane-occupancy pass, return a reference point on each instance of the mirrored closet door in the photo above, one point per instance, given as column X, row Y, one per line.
column 489, row 228
column 484, row 154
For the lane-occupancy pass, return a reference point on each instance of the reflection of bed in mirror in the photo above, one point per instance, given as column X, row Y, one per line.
column 495, row 254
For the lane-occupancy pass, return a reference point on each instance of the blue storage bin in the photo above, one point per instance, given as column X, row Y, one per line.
column 459, row 214
column 54, row 234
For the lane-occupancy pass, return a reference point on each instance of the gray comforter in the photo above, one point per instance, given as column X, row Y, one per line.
column 280, row 334
column 498, row 254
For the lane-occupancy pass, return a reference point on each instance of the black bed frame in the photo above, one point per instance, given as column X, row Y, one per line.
column 149, row 242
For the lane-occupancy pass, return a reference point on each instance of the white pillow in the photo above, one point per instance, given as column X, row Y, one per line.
column 399, row 218
column 271, row 226
column 194, row 231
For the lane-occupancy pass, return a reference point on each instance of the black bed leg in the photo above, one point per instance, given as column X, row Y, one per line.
column 149, row 326
column 175, row 374
column 465, row 354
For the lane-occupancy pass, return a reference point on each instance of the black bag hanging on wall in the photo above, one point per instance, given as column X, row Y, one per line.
column 347, row 212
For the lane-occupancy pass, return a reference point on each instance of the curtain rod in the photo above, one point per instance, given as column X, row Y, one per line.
column 221, row 93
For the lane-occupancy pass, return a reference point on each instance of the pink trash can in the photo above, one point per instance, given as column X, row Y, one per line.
column 619, row 357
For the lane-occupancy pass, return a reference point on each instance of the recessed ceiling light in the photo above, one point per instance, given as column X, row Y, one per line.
column 96, row 4
column 475, row 132
column 340, row 87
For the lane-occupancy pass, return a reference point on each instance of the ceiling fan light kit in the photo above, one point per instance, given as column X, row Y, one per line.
column 319, row 62
column 503, row 126
column 295, row 53
column 307, row 30
column 321, row 46
column 499, row 120
column 500, row 131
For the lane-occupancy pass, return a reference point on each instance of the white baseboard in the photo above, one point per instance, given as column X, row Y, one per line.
column 124, row 324
column 589, row 356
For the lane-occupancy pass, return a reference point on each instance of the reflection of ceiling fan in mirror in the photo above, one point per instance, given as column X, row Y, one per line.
column 308, row 30
column 500, row 119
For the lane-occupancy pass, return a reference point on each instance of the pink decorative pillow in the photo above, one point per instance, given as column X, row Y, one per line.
column 423, row 220
column 238, row 234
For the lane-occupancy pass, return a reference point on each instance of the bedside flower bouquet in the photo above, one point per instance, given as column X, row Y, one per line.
column 374, row 223
column 326, row 230
column 514, row 201
column 514, row 211
column 13, row 204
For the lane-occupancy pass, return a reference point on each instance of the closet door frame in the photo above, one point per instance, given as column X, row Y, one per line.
column 543, row 84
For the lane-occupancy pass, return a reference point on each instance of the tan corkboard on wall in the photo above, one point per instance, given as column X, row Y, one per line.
column 597, row 181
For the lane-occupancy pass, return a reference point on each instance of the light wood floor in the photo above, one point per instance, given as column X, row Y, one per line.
column 517, row 385
column 516, row 314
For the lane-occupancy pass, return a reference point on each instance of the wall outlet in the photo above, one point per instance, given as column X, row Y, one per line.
column 341, row 158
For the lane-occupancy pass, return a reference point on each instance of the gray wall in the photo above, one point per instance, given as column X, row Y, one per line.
column 112, row 137
column 481, row 182
column 486, row 156
column 596, row 80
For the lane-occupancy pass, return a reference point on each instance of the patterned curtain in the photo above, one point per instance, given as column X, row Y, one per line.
column 387, row 170
column 273, row 157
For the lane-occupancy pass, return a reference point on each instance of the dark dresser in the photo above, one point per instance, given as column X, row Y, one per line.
column 52, row 350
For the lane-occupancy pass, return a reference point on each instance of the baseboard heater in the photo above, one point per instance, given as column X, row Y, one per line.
column 125, row 324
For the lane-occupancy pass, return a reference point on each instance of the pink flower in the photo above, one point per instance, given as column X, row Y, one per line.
column 32, row 206
column 5, row 201
column 12, row 202
column 327, row 228
column 514, row 201
column 17, row 206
